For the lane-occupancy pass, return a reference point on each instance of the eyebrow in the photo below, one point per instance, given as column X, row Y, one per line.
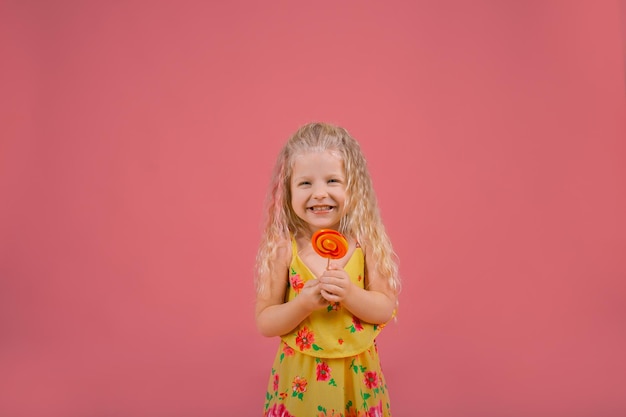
column 331, row 175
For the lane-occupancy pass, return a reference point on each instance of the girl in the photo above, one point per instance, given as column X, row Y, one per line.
column 327, row 315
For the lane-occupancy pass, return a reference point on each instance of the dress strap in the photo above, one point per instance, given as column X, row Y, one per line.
column 294, row 247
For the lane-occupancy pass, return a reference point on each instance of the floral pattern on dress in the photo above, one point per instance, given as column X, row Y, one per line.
column 328, row 366
column 322, row 412
column 287, row 351
column 323, row 372
column 356, row 325
column 299, row 387
column 296, row 283
column 333, row 307
column 369, row 400
column 371, row 379
column 276, row 380
column 278, row 410
column 305, row 339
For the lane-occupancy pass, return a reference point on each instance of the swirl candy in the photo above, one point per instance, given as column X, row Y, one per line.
column 329, row 244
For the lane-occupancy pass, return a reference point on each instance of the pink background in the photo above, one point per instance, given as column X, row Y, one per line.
column 137, row 140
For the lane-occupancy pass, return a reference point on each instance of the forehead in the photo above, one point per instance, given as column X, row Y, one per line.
column 317, row 162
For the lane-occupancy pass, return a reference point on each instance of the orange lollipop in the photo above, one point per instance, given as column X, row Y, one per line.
column 330, row 244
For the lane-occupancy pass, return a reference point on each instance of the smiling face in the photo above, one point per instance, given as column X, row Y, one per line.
column 318, row 189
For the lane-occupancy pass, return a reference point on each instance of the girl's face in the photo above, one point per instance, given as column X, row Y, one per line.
column 318, row 189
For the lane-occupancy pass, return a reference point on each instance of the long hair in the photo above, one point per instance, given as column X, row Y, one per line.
column 360, row 219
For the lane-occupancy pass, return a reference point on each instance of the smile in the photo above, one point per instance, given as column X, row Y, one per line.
column 320, row 208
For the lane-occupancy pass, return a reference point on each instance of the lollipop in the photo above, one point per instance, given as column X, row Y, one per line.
column 330, row 244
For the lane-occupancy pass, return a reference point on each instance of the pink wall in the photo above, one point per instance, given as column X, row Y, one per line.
column 136, row 143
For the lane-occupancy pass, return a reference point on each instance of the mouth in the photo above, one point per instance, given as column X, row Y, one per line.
column 320, row 209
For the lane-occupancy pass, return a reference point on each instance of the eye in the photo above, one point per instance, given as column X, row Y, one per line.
column 334, row 180
column 301, row 183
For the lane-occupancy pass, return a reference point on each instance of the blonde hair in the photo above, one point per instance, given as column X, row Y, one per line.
column 360, row 219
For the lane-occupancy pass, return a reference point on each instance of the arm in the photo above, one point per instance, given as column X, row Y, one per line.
column 375, row 304
column 274, row 316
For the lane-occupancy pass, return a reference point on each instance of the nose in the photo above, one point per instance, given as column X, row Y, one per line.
column 320, row 191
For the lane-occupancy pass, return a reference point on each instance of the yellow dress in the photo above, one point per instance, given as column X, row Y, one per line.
column 328, row 366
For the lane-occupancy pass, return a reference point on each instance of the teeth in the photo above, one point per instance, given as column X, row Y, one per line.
column 321, row 208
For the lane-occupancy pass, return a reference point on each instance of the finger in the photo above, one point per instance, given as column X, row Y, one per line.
column 329, row 296
column 334, row 281
column 332, row 289
column 335, row 274
column 327, row 281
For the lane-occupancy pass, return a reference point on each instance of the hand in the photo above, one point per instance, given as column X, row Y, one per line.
column 311, row 295
column 335, row 284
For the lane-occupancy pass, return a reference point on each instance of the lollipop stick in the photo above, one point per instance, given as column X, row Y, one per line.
column 328, row 266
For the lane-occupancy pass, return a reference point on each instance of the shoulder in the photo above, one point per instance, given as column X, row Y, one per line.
column 376, row 278
column 283, row 253
column 272, row 279
column 284, row 244
column 366, row 247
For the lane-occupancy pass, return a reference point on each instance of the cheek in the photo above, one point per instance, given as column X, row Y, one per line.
column 345, row 203
column 295, row 198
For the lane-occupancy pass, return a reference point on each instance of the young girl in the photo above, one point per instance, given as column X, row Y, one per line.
column 327, row 315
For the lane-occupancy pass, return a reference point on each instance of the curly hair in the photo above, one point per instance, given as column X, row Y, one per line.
column 360, row 219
